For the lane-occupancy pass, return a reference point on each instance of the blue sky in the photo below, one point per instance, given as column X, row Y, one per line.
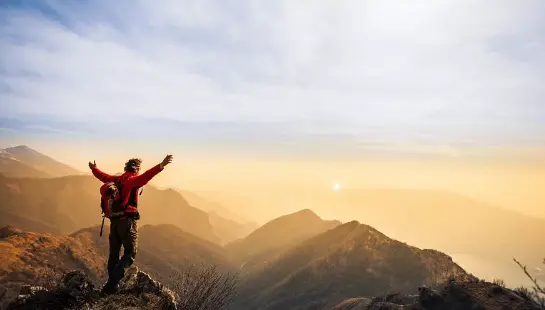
column 444, row 73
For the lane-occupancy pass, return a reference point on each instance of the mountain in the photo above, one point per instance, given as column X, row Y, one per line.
column 22, row 161
column 71, row 203
column 11, row 167
column 447, row 221
column 228, row 225
column 277, row 235
column 350, row 260
column 327, row 271
column 36, row 258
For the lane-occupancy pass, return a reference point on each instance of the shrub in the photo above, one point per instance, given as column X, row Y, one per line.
column 203, row 288
column 499, row 282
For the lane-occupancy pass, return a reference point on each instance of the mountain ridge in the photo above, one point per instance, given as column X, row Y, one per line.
column 277, row 235
column 51, row 201
column 349, row 259
column 23, row 161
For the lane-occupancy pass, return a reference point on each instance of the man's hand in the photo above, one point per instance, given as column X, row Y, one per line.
column 166, row 161
column 92, row 165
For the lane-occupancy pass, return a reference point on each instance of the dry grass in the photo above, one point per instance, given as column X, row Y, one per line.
column 499, row 282
column 203, row 287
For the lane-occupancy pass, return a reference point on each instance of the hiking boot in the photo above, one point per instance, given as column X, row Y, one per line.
column 109, row 289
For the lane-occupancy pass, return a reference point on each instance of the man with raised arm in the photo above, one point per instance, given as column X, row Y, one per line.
column 124, row 229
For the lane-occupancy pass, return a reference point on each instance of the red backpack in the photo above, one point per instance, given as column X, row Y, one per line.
column 111, row 202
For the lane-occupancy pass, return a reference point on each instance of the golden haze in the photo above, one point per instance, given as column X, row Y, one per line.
column 262, row 187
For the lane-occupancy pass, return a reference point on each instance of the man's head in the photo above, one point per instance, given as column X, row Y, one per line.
column 133, row 165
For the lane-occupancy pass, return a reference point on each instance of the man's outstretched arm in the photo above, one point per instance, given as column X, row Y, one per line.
column 144, row 178
column 102, row 176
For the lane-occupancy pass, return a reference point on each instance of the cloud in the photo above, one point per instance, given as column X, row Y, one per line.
column 444, row 69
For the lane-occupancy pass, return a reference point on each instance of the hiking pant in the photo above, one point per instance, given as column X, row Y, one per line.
column 123, row 232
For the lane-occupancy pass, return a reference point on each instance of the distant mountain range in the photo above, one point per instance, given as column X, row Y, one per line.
column 22, row 161
column 296, row 261
column 43, row 195
column 339, row 266
column 228, row 225
column 73, row 202
column 322, row 269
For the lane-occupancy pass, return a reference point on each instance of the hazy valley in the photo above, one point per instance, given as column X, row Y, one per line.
column 296, row 261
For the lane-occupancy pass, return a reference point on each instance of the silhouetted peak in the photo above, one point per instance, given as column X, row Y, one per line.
column 355, row 230
column 303, row 216
column 353, row 223
column 20, row 149
column 305, row 212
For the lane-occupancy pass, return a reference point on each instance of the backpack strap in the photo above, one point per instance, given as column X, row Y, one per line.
column 119, row 183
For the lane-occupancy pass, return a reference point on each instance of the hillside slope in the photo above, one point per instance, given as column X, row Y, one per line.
column 23, row 161
column 349, row 260
column 11, row 167
column 163, row 250
column 278, row 235
column 73, row 202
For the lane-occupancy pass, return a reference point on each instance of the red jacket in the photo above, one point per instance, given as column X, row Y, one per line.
column 129, row 191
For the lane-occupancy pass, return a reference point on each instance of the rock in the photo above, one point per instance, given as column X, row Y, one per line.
column 428, row 298
column 354, row 304
column 76, row 284
column 397, row 298
column 26, row 293
column 137, row 283
column 31, row 290
column 75, row 291
column 385, row 306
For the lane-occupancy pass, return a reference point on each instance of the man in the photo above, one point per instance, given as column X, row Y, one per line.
column 124, row 230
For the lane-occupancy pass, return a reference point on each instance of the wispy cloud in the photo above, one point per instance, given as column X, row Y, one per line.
column 448, row 69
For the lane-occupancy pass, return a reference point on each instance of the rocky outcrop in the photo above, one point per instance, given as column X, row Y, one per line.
column 76, row 291
column 474, row 295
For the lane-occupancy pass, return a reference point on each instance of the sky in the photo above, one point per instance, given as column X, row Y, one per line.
column 379, row 75
column 271, row 96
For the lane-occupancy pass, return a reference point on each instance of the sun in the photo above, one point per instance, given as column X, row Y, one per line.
column 336, row 187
